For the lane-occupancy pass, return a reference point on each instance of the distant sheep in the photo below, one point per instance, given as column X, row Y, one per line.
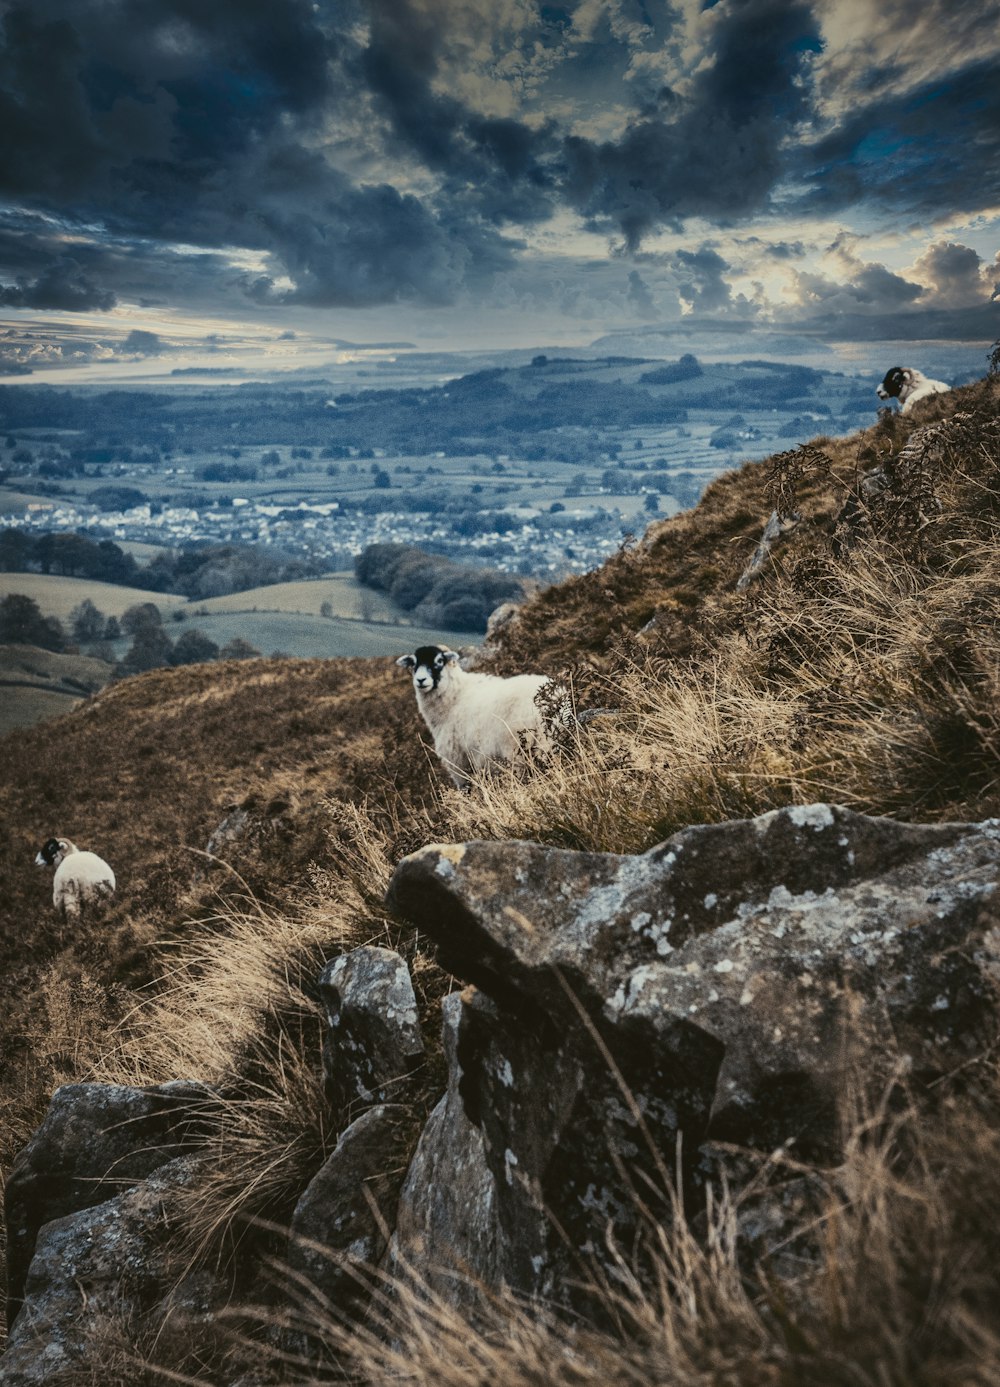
column 907, row 385
column 479, row 719
column 81, row 879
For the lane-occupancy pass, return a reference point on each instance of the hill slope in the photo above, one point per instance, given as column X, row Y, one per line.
column 863, row 665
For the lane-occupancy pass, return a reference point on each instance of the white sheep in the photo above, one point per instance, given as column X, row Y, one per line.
column 907, row 385
column 81, row 878
column 478, row 719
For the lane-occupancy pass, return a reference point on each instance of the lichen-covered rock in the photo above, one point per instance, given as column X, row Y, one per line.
column 336, row 1236
column 374, row 1042
column 794, row 943
column 95, row 1141
column 730, row 983
column 446, row 1223
column 94, row 1273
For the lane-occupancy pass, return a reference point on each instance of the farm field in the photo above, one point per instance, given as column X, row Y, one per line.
column 317, row 637
column 346, row 596
column 57, row 596
column 38, row 684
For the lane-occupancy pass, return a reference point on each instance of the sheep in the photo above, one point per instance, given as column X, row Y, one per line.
column 908, row 385
column 81, row 878
column 479, row 719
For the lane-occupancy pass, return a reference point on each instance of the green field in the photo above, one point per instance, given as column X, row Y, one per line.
column 305, row 636
column 57, row 596
column 346, row 596
column 37, row 684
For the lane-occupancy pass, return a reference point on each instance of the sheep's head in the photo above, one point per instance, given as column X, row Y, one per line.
column 894, row 383
column 53, row 852
column 427, row 664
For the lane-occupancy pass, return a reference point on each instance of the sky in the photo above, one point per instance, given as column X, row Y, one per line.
column 231, row 181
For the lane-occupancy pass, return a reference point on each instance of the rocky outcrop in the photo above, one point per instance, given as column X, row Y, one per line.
column 337, row 1233
column 626, row 1020
column 733, row 983
column 94, row 1271
column 96, row 1141
column 374, row 1040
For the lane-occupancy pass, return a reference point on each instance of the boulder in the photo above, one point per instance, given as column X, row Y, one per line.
column 446, row 1226
column 731, row 984
column 337, row 1232
column 374, row 1042
column 95, row 1276
column 94, row 1141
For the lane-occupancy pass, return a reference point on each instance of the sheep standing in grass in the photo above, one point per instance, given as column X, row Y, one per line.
column 907, row 385
column 81, row 879
column 478, row 719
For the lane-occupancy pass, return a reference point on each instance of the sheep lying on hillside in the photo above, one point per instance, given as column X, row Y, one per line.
column 477, row 719
column 907, row 385
column 81, row 879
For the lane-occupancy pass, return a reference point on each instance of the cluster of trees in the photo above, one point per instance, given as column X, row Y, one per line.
column 152, row 647
column 211, row 570
column 22, row 623
column 436, row 590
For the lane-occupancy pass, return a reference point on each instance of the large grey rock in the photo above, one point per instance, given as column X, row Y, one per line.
column 730, row 983
column 446, row 1221
column 337, row 1233
column 96, row 1274
column 94, row 1141
column 374, row 1042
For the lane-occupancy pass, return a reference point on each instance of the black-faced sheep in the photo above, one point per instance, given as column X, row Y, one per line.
column 479, row 719
column 907, row 385
column 81, row 878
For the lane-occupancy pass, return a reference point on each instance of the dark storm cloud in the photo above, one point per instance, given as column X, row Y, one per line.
column 935, row 147
column 336, row 148
column 178, row 120
column 499, row 165
column 718, row 153
column 63, row 285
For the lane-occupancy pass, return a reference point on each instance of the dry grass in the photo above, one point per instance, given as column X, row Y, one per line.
column 899, row 1287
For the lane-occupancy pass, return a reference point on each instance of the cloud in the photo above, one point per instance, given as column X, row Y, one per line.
column 390, row 152
column 639, row 295
column 933, row 148
column 954, row 275
column 142, row 343
column 63, row 285
column 717, row 153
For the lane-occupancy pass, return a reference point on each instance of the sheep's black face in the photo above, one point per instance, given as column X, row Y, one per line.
column 428, row 664
column 892, row 384
column 48, row 853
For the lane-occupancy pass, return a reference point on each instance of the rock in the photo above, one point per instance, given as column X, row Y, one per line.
column 95, row 1141
column 336, row 1237
column 777, row 527
column 96, row 1274
column 446, row 1222
column 729, row 984
column 374, row 1042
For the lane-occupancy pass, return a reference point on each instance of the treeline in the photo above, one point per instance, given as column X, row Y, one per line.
column 93, row 633
column 211, row 570
column 436, row 590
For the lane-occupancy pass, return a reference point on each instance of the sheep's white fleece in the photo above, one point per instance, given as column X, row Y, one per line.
column 82, row 878
column 917, row 386
column 478, row 718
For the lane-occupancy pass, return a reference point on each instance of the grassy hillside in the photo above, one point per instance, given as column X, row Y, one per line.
column 38, row 684
column 57, row 596
column 345, row 595
column 863, row 666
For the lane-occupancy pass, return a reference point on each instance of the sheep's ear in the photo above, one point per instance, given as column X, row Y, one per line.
column 449, row 656
column 407, row 661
